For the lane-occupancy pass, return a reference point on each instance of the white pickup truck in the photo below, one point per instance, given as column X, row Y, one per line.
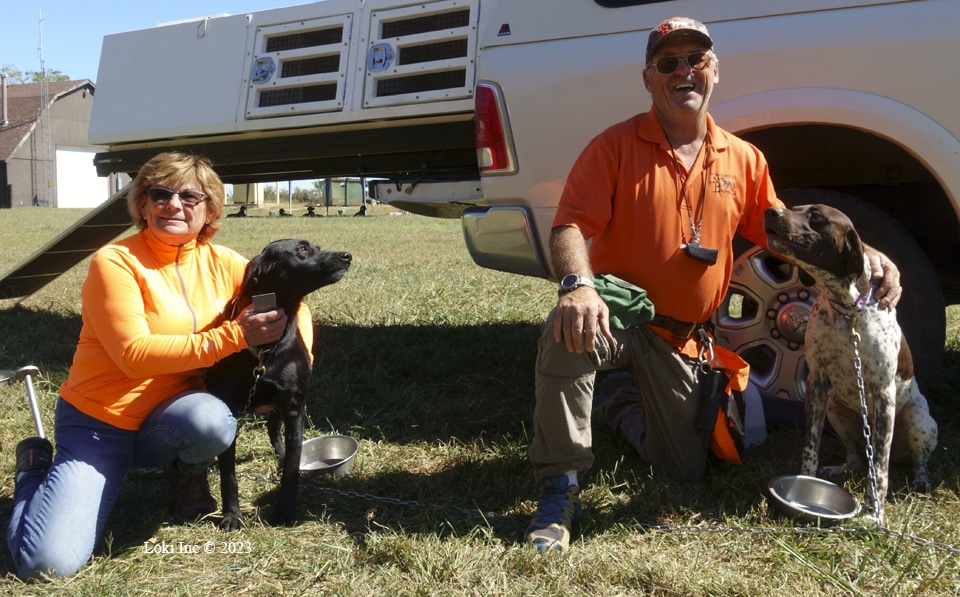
column 476, row 109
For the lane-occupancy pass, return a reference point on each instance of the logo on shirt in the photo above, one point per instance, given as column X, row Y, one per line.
column 724, row 184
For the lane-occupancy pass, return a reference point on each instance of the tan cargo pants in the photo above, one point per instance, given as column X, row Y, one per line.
column 661, row 425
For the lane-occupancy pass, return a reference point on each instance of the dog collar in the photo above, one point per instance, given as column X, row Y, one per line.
column 257, row 351
column 858, row 305
column 861, row 303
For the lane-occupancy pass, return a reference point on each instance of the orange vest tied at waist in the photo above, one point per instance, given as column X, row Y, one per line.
column 726, row 441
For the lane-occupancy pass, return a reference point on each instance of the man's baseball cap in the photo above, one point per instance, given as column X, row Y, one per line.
column 676, row 27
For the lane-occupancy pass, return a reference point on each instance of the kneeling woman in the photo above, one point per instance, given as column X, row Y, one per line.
column 134, row 395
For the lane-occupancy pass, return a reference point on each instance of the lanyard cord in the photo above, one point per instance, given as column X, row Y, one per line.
column 694, row 228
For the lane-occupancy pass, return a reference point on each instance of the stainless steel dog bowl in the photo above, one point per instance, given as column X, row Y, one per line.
column 329, row 454
column 810, row 499
column 5, row 376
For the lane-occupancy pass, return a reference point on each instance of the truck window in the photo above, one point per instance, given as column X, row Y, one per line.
column 622, row 3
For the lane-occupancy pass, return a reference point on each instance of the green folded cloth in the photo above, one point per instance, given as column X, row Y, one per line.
column 628, row 304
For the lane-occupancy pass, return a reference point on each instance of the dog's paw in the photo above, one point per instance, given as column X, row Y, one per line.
column 281, row 517
column 921, row 485
column 231, row 523
column 832, row 472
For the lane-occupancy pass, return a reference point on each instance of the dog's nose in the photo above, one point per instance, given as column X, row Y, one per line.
column 346, row 257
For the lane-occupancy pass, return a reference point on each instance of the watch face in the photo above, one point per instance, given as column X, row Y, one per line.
column 570, row 281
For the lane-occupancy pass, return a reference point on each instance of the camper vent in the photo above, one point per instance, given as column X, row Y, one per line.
column 421, row 53
column 299, row 68
column 437, row 22
column 309, row 39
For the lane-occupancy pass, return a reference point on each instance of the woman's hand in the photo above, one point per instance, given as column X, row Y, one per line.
column 262, row 328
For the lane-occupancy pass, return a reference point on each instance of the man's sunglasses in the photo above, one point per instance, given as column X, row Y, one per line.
column 669, row 64
column 163, row 196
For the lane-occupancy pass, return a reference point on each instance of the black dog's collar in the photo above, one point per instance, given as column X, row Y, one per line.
column 262, row 351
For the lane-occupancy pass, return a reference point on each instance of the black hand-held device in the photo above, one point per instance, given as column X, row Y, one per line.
column 703, row 254
column 264, row 302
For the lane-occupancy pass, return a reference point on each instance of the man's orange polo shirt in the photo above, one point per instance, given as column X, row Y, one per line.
column 624, row 194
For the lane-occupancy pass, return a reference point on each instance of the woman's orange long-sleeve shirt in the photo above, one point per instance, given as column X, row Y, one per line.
column 149, row 311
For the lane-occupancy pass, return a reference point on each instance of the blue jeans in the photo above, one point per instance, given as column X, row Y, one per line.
column 59, row 515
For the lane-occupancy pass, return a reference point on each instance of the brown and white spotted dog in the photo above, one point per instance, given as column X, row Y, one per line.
column 823, row 242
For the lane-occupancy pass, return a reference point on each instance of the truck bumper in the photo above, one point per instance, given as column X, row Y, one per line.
column 503, row 238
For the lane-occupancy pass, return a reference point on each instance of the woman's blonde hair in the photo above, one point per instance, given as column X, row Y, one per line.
column 172, row 170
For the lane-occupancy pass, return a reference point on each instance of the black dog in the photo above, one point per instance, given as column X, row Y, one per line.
column 240, row 214
column 273, row 378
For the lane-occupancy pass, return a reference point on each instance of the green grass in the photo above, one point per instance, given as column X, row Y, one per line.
column 427, row 360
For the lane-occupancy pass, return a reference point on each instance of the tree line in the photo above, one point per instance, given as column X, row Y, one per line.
column 16, row 76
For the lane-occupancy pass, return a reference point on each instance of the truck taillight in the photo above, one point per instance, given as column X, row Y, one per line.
column 494, row 149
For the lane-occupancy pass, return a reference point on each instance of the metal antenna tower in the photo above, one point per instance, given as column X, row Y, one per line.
column 45, row 192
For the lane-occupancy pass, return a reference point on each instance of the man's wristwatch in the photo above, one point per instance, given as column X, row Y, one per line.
column 572, row 282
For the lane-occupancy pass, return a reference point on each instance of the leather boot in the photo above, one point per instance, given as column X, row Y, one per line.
column 34, row 453
column 192, row 494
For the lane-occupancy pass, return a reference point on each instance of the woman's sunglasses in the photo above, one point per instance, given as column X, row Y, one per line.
column 162, row 196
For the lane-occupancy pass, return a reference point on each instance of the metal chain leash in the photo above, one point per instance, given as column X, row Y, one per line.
column 786, row 530
column 718, row 529
column 370, row 497
column 259, row 370
column 876, row 500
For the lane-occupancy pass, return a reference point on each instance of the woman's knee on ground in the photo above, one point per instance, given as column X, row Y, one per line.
column 55, row 557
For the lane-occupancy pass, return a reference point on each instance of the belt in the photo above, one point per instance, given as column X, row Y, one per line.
column 680, row 329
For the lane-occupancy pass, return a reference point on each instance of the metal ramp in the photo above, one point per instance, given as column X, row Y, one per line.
column 91, row 232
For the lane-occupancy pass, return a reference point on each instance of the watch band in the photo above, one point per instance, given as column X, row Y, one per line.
column 571, row 282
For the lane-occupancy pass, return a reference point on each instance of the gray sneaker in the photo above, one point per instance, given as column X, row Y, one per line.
column 559, row 506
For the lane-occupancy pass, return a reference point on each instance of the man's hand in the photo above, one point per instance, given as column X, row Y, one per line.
column 580, row 314
column 889, row 292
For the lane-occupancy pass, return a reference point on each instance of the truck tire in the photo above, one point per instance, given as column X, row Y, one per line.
column 764, row 314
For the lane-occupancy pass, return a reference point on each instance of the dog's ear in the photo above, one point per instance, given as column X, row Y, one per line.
column 231, row 311
column 854, row 249
column 256, row 271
